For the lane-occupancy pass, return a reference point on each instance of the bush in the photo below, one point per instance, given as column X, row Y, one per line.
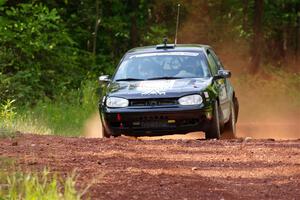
column 37, row 56
column 65, row 116
column 7, row 117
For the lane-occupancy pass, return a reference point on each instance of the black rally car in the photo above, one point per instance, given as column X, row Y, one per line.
column 168, row 89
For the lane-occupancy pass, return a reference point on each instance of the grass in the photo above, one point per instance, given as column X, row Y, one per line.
column 7, row 115
column 65, row 116
column 30, row 186
column 16, row 184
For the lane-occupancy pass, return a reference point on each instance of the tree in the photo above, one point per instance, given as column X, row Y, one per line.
column 97, row 22
column 297, row 49
column 257, row 42
column 133, row 6
column 38, row 58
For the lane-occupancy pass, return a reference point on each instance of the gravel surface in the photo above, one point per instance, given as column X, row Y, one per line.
column 127, row 168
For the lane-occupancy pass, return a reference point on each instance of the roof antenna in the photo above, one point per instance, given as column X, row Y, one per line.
column 177, row 23
column 165, row 41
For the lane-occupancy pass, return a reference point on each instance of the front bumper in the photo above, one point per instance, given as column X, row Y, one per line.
column 156, row 121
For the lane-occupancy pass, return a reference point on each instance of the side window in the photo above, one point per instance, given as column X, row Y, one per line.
column 220, row 66
column 212, row 63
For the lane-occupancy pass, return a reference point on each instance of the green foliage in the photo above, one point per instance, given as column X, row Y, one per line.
column 37, row 56
column 65, row 116
column 28, row 186
column 7, row 111
column 155, row 35
column 7, row 117
column 234, row 21
column 2, row 2
column 45, row 47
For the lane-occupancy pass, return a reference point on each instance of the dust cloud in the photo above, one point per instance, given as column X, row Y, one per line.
column 92, row 127
column 275, row 119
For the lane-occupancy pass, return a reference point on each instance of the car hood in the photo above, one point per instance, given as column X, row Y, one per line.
column 157, row 88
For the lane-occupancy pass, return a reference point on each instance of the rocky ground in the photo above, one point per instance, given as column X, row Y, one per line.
column 127, row 168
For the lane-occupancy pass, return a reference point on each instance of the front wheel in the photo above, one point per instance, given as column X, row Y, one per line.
column 105, row 134
column 230, row 126
column 214, row 131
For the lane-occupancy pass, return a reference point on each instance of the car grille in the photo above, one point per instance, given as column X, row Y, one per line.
column 151, row 121
column 156, row 124
column 162, row 121
column 153, row 102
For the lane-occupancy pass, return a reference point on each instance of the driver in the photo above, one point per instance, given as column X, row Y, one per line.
column 148, row 69
column 187, row 68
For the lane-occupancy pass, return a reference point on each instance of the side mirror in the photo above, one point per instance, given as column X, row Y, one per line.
column 222, row 74
column 104, row 79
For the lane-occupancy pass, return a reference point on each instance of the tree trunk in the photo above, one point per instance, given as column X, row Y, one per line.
column 257, row 37
column 97, row 22
column 287, row 33
column 245, row 15
column 298, row 35
column 133, row 6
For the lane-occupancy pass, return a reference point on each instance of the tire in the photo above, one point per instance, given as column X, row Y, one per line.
column 230, row 126
column 214, row 131
column 105, row 134
column 236, row 108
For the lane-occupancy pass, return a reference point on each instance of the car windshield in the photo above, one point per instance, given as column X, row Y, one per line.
column 164, row 65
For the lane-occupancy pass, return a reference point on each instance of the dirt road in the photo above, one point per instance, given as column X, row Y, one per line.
column 126, row 168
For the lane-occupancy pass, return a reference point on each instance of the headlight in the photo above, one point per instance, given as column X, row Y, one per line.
column 116, row 102
column 190, row 100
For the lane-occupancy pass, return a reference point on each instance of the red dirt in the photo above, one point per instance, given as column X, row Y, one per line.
column 126, row 168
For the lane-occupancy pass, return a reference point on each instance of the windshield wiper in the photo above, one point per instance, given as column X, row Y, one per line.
column 165, row 77
column 129, row 79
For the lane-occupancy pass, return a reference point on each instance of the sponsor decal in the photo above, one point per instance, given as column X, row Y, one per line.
column 155, row 87
column 154, row 92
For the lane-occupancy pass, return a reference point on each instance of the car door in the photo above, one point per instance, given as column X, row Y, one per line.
column 222, row 85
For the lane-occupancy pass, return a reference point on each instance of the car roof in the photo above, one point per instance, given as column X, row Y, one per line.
column 172, row 48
